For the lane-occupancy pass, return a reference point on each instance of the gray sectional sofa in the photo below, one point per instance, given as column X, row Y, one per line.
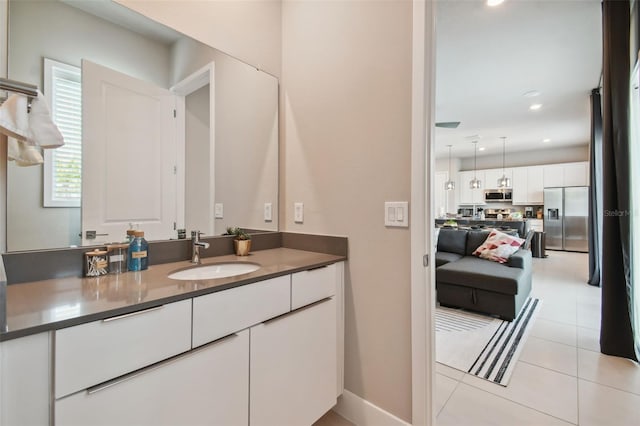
column 466, row 281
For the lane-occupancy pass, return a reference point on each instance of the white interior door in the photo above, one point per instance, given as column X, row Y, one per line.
column 129, row 156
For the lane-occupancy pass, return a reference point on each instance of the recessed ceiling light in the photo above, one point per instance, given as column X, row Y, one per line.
column 546, row 140
column 531, row 94
column 494, row 2
column 535, row 107
column 482, row 148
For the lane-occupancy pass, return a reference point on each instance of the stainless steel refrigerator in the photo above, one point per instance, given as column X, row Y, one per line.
column 566, row 218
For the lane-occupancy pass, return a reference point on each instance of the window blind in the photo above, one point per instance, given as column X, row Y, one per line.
column 63, row 166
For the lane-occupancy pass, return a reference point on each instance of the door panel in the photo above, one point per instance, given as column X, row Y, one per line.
column 576, row 210
column 553, row 213
column 129, row 153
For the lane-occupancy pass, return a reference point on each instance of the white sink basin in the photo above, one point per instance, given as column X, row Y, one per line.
column 217, row 270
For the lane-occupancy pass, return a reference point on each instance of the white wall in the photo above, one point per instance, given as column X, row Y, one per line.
column 543, row 155
column 50, row 29
column 346, row 100
column 249, row 30
column 198, row 191
column 246, row 112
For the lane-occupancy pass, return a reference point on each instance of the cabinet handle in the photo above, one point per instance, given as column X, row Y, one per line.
column 316, row 267
column 131, row 314
column 113, row 382
column 302, row 308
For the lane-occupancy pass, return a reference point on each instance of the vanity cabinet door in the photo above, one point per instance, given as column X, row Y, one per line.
column 25, row 382
column 207, row 386
column 293, row 366
column 92, row 353
column 313, row 285
column 219, row 314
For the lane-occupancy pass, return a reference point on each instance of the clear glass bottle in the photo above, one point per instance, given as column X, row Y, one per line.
column 138, row 259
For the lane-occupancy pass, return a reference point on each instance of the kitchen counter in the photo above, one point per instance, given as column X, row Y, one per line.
column 52, row 304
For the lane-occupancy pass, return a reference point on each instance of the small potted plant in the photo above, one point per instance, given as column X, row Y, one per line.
column 241, row 241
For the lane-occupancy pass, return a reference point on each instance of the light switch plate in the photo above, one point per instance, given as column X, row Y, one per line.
column 268, row 212
column 298, row 212
column 396, row 214
column 218, row 211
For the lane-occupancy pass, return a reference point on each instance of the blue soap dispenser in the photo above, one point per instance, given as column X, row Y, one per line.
column 138, row 259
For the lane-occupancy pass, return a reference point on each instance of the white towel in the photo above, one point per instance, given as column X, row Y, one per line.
column 42, row 130
column 14, row 118
column 23, row 153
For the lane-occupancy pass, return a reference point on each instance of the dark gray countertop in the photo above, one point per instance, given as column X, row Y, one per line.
column 38, row 306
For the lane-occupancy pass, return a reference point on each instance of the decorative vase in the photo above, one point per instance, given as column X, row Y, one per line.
column 242, row 247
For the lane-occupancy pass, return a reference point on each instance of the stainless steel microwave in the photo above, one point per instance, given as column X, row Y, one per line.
column 496, row 196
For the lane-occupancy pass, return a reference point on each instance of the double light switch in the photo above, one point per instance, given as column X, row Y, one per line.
column 396, row 213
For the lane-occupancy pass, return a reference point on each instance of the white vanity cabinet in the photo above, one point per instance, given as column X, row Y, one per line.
column 293, row 360
column 207, row 386
column 218, row 314
column 25, row 384
column 92, row 353
column 265, row 353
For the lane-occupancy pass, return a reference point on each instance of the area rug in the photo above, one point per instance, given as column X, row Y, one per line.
column 482, row 345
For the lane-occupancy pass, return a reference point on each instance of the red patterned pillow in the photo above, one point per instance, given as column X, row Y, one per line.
column 498, row 246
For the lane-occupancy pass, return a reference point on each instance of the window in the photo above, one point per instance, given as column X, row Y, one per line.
column 63, row 166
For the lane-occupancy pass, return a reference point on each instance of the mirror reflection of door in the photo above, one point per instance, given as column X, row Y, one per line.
column 129, row 156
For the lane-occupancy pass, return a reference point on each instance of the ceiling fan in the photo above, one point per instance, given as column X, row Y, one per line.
column 448, row 124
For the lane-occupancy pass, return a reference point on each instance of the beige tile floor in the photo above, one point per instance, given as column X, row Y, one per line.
column 561, row 377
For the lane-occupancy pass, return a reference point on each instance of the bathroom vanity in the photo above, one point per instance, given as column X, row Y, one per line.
column 260, row 348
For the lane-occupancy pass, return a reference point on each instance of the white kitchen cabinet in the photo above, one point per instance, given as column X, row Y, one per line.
column 313, row 285
column 91, row 353
column 536, row 225
column 576, row 174
column 293, row 365
column 491, row 177
column 520, row 182
column 535, row 185
column 218, row 314
column 553, row 175
column 467, row 195
column 25, row 381
column 207, row 386
column 567, row 174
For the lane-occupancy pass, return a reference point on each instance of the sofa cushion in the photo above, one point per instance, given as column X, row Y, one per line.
column 452, row 241
column 498, row 247
column 444, row 257
column 475, row 240
column 481, row 274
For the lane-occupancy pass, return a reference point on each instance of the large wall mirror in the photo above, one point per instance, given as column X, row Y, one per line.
column 161, row 132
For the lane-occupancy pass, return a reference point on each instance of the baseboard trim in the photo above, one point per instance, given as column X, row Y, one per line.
column 363, row 413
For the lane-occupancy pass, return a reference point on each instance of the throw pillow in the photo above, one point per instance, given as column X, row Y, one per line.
column 498, row 246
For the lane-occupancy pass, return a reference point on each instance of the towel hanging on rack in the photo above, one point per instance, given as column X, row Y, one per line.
column 14, row 118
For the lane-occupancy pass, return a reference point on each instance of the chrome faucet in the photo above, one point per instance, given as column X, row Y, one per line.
column 195, row 247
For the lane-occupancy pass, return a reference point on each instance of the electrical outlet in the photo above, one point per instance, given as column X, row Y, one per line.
column 298, row 212
column 218, row 211
column 268, row 212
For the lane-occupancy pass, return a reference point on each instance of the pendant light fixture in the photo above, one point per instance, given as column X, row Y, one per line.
column 504, row 182
column 475, row 183
column 450, row 184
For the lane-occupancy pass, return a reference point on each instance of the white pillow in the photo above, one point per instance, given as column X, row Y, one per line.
column 498, row 246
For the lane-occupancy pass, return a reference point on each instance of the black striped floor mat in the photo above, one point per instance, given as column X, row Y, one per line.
column 482, row 345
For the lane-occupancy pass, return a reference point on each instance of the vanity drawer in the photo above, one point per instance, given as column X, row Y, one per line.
column 313, row 285
column 89, row 354
column 219, row 314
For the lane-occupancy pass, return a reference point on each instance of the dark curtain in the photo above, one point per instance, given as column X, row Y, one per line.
column 616, row 335
column 595, row 191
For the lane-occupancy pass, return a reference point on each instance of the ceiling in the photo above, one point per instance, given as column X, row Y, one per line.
column 489, row 57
